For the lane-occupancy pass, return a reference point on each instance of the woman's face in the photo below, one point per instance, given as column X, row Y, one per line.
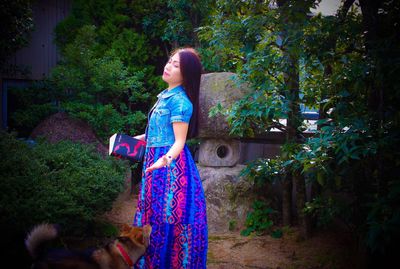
column 172, row 72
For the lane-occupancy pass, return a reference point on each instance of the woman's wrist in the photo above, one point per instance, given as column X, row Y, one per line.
column 168, row 159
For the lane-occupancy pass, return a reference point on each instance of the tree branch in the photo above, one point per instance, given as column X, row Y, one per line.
column 342, row 12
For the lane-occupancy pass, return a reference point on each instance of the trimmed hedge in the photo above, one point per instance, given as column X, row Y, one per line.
column 65, row 183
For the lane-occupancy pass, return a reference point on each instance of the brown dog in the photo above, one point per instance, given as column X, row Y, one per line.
column 122, row 253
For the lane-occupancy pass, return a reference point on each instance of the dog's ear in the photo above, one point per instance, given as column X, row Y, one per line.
column 146, row 235
column 138, row 234
column 146, row 230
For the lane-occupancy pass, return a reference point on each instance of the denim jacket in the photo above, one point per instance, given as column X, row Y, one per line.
column 172, row 106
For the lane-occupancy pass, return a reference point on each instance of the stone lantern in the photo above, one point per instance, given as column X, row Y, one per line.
column 218, row 148
column 228, row 196
column 221, row 156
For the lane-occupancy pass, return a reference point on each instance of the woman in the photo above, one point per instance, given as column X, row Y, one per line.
column 172, row 199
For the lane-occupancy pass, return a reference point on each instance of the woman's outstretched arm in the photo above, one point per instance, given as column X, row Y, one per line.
column 180, row 132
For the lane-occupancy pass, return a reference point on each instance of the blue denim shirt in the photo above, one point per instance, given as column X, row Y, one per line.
column 172, row 106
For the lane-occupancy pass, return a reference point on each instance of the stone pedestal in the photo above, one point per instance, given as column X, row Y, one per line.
column 228, row 197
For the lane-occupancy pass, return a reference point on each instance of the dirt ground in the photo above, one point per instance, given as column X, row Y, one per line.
column 231, row 250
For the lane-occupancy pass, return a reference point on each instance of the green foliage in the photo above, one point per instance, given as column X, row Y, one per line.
column 65, row 183
column 186, row 17
column 16, row 26
column 250, row 36
column 106, row 229
column 384, row 219
column 99, row 88
column 278, row 233
column 345, row 65
column 107, row 76
column 33, row 104
column 179, row 26
column 259, row 220
column 232, row 225
column 325, row 210
column 261, row 171
column 25, row 120
column 91, row 77
column 347, row 68
column 105, row 119
column 112, row 53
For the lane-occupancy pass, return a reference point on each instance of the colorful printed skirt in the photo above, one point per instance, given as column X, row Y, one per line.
column 172, row 201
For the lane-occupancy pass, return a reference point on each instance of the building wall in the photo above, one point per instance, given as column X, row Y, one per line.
column 41, row 55
column 250, row 151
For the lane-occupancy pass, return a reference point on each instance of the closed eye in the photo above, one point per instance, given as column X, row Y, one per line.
column 174, row 63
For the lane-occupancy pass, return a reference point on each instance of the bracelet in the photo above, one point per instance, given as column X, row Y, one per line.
column 169, row 159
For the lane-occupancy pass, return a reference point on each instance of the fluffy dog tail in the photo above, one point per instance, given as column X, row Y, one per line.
column 39, row 235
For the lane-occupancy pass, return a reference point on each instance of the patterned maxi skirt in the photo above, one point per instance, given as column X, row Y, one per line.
column 172, row 201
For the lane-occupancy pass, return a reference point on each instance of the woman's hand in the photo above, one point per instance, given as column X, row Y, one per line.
column 140, row 137
column 180, row 132
column 162, row 162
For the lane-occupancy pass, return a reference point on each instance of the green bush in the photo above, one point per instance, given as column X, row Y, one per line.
column 65, row 183
column 259, row 220
column 99, row 88
column 25, row 120
column 106, row 120
column 30, row 105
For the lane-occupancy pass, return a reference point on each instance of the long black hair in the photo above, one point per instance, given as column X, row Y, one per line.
column 191, row 70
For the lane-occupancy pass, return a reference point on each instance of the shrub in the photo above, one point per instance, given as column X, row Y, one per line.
column 99, row 88
column 25, row 120
column 106, row 120
column 259, row 220
column 29, row 106
column 65, row 183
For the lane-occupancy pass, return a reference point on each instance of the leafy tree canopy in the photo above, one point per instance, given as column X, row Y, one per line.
column 346, row 67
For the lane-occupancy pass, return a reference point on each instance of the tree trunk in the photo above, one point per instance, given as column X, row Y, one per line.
column 304, row 219
column 294, row 137
column 293, row 134
column 287, row 200
column 373, row 32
